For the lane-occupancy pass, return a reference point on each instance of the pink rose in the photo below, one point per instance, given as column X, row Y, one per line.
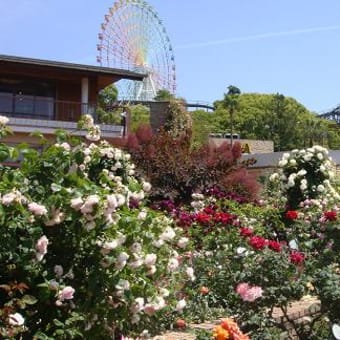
column 249, row 293
column 66, row 293
column 242, row 288
column 41, row 247
column 37, row 209
column 252, row 294
column 149, row 309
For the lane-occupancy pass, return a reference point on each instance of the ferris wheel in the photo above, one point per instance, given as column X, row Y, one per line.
column 133, row 38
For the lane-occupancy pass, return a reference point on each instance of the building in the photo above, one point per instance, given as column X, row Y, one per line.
column 46, row 95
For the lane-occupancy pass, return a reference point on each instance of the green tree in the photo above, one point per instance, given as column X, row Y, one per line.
column 107, row 111
column 202, row 125
column 108, row 96
column 230, row 102
column 140, row 114
column 278, row 118
column 164, row 95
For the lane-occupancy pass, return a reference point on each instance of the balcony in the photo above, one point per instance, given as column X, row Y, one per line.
column 45, row 114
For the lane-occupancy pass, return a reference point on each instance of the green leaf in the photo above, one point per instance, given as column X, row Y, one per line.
column 58, row 323
column 29, row 299
column 4, row 152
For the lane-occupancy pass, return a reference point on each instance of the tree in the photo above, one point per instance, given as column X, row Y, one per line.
column 231, row 103
column 107, row 110
column 275, row 117
column 108, row 96
column 140, row 114
column 164, row 95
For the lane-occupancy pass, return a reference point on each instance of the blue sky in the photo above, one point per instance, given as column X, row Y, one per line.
column 264, row 46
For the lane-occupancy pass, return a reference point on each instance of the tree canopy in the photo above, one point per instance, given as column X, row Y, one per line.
column 269, row 117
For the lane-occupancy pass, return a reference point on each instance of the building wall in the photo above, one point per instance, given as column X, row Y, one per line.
column 255, row 146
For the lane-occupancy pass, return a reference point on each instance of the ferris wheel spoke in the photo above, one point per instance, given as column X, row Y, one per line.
column 133, row 37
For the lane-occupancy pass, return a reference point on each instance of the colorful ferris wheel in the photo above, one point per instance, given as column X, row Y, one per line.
column 133, row 38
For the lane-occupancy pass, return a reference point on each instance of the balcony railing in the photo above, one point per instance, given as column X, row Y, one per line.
column 38, row 107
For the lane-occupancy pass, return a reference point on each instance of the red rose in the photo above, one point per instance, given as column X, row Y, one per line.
column 257, row 242
column 274, row 245
column 209, row 210
column 330, row 215
column 224, row 218
column 245, row 232
column 291, row 215
column 202, row 218
column 296, row 257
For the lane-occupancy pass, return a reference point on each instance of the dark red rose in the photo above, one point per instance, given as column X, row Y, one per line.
column 291, row 215
column 202, row 218
column 330, row 215
column 296, row 257
column 274, row 245
column 245, row 232
column 224, row 218
column 257, row 242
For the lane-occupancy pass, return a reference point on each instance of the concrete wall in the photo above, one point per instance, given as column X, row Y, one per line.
column 159, row 112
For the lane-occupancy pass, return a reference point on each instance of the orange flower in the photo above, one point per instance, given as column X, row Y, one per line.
column 232, row 328
column 204, row 290
column 220, row 333
column 180, row 323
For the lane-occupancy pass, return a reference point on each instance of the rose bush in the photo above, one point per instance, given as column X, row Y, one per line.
column 254, row 258
column 81, row 255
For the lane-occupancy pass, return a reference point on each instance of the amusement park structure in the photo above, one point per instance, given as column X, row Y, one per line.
column 133, row 38
column 333, row 115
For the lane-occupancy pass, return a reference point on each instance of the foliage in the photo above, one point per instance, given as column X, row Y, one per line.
column 275, row 117
column 164, row 95
column 108, row 96
column 140, row 115
column 253, row 259
column 202, row 125
column 178, row 119
column 176, row 171
column 81, row 256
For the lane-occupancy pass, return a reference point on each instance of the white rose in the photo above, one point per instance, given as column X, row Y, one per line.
column 180, row 305
column 16, row 319
column 168, row 234
column 182, row 242
column 173, row 264
column 150, row 260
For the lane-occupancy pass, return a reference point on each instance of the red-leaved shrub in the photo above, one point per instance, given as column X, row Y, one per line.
column 176, row 171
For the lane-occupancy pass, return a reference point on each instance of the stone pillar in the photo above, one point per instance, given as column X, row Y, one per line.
column 159, row 112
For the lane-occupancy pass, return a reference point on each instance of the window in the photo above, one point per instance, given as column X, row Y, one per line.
column 27, row 98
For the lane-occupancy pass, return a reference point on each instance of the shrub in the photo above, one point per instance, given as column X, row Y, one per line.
column 81, row 256
column 176, row 171
column 304, row 174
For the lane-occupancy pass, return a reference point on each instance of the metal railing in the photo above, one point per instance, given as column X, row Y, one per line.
column 39, row 107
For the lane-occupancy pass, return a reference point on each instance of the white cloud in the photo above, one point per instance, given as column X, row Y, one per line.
column 259, row 36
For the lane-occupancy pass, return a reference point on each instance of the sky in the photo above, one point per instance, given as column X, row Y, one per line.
column 290, row 47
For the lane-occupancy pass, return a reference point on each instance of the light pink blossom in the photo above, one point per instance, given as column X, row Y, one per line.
column 41, row 247
column 66, row 293
column 249, row 293
column 150, row 260
column 37, row 209
column 76, row 203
